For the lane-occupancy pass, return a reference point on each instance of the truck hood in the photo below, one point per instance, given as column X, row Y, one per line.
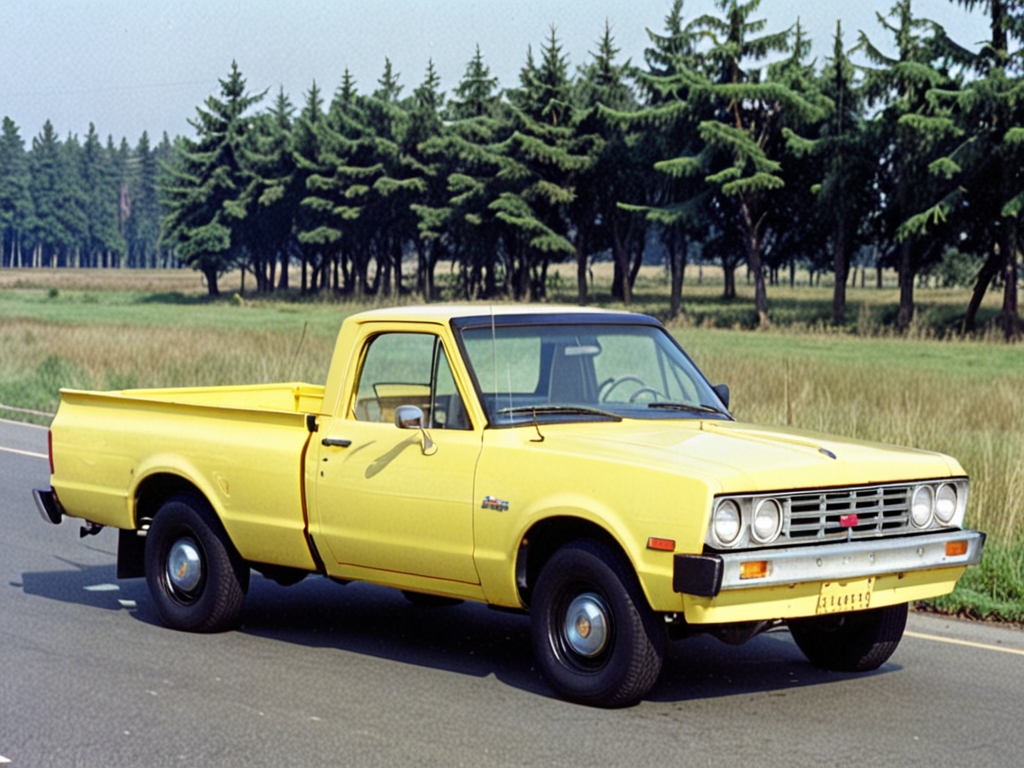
column 747, row 458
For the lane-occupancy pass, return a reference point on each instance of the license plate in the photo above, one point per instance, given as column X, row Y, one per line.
column 838, row 596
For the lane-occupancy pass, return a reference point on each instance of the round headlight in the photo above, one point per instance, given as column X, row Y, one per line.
column 727, row 522
column 945, row 503
column 767, row 522
column 921, row 505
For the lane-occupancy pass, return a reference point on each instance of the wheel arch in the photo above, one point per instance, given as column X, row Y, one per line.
column 153, row 490
column 547, row 536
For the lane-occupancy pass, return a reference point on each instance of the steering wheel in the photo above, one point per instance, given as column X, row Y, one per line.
column 645, row 390
column 607, row 386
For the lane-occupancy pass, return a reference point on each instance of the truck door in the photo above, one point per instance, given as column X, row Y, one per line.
column 400, row 500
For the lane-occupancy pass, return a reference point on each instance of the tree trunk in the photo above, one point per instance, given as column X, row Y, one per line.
column 677, row 272
column 729, row 278
column 906, row 272
column 210, row 273
column 1009, row 317
column 839, row 265
column 988, row 272
column 624, row 288
column 581, row 270
column 754, row 265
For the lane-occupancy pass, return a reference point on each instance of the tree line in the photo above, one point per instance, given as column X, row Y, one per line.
column 726, row 145
column 81, row 203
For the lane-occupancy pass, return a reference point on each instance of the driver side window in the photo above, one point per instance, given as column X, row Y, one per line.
column 409, row 369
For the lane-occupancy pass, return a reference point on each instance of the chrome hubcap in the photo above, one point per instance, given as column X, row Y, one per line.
column 586, row 625
column 184, row 566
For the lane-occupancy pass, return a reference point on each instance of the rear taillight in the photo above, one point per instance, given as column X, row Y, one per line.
column 49, row 445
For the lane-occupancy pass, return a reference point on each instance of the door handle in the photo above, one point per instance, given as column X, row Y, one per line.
column 336, row 442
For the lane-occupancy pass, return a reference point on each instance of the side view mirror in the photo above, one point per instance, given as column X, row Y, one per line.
column 722, row 390
column 411, row 417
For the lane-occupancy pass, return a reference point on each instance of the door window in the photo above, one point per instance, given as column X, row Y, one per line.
column 409, row 369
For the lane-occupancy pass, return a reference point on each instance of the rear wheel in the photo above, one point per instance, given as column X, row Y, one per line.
column 596, row 639
column 859, row 641
column 196, row 578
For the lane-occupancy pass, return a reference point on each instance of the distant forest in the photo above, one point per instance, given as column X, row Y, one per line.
column 726, row 144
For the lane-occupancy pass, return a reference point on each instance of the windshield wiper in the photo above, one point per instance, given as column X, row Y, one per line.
column 688, row 407
column 567, row 409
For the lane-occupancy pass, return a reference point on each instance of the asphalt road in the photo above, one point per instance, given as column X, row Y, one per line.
column 321, row 674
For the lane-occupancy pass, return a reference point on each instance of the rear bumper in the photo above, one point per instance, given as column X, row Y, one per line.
column 48, row 505
column 709, row 575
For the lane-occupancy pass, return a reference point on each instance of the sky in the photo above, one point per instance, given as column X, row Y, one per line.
column 130, row 66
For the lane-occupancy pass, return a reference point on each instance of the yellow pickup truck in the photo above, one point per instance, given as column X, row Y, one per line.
column 567, row 462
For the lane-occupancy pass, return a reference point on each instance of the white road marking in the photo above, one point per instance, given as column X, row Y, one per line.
column 968, row 643
column 24, row 453
column 102, row 588
column 4, row 759
column 23, row 423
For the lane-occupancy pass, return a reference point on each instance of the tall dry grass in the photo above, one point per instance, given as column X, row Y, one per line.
column 37, row 359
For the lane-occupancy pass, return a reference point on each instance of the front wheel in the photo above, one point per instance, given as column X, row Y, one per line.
column 196, row 578
column 859, row 641
column 595, row 638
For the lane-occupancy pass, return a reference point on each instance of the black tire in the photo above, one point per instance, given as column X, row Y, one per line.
column 205, row 588
column 611, row 655
column 424, row 600
column 859, row 641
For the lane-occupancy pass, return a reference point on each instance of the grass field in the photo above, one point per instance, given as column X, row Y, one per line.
column 930, row 390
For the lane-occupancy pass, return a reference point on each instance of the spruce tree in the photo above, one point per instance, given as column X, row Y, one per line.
column 841, row 164
column 206, row 193
column 16, row 210
column 912, row 130
column 741, row 116
column 59, row 224
column 544, row 158
column 468, row 159
column 142, row 228
column 984, row 183
column 101, row 192
column 618, row 171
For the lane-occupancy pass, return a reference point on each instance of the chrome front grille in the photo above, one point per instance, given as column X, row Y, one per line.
column 823, row 515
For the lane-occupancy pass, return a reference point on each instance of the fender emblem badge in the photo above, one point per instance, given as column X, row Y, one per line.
column 498, row 505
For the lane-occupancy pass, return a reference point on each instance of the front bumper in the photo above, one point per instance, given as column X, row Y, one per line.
column 709, row 575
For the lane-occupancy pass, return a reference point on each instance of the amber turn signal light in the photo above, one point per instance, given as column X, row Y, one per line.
column 956, row 548
column 754, row 569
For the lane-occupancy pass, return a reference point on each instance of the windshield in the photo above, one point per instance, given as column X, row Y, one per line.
column 585, row 372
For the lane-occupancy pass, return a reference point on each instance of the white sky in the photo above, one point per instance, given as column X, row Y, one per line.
column 134, row 65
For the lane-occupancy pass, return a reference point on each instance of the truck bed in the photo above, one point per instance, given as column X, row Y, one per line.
column 241, row 447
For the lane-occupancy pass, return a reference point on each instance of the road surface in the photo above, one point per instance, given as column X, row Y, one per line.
column 320, row 674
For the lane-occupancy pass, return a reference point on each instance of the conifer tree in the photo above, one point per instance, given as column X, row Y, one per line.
column 841, row 166
column 431, row 202
column 312, row 226
column 741, row 119
column 59, row 223
column 101, row 194
column 275, row 193
column 16, row 209
column 619, row 168
column 465, row 150
column 142, row 228
column 912, row 130
column 543, row 160
column 984, row 199
column 206, row 192
column 679, row 206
